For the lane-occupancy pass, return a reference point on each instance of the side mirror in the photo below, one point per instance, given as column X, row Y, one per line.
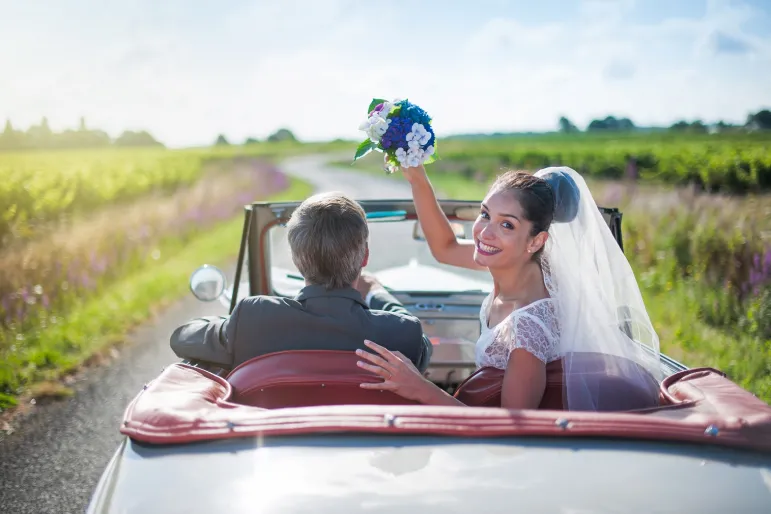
column 208, row 283
column 458, row 229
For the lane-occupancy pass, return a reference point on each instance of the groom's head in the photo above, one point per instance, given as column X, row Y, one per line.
column 328, row 238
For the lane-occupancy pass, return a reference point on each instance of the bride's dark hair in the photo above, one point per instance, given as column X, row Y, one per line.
column 534, row 194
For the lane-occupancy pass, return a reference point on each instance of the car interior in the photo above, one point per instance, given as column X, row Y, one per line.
column 308, row 392
column 449, row 316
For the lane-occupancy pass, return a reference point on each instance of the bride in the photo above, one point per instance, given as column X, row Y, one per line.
column 562, row 288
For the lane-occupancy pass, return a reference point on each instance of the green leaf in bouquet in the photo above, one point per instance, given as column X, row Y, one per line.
column 364, row 148
column 374, row 103
column 434, row 156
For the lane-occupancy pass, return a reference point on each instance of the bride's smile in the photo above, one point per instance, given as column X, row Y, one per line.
column 486, row 249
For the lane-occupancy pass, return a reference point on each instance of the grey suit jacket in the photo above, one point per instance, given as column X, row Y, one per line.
column 316, row 319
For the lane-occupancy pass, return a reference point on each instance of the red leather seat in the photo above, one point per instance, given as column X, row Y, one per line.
column 305, row 378
column 605, row 373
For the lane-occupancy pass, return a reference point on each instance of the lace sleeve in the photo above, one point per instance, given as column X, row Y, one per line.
column 535, row 331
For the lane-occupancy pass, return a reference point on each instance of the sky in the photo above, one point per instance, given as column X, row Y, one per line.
column 188, row 70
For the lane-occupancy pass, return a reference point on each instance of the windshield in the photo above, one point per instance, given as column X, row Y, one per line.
column 398, row 260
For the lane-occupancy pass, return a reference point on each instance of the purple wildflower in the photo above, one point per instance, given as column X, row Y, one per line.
column 101, row 265
column 85, row 281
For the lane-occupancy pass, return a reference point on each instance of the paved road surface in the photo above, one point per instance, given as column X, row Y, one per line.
column 54, row 462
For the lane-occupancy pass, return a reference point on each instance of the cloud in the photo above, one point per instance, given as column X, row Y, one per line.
column 619, row 70
column 724, row 44
column 253, row 67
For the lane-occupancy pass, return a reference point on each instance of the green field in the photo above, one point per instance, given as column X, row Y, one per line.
column 53, row 186
column 725, row 163
column 703, row 259
column 94, row 241
column 76, row 226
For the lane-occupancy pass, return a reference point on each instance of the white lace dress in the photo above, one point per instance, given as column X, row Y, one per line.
column 533, row 327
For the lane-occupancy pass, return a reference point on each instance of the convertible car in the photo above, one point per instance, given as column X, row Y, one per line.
column 293, row 431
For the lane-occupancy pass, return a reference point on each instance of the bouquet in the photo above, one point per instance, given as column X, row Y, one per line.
column 402, row 131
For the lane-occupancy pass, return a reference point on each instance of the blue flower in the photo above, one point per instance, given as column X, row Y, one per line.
column 415, row 113
column 396, row 135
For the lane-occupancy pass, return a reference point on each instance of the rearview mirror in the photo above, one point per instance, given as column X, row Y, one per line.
column 208, row 283
column 458, row 229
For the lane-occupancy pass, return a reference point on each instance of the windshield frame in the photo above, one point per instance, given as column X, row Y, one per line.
column 260, row 217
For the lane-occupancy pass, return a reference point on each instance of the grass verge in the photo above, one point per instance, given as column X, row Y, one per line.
column 100, row 322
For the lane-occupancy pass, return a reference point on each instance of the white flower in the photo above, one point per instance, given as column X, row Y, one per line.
column 415, row 157
column 414, row 144
column 375, row 127
column 419, row 134
column 401, row 156
column 387, row 106
column 428, row 152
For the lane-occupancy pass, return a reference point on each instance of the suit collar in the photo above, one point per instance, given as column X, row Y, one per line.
column 350, row 293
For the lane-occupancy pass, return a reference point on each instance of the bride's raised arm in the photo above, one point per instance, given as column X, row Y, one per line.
column 441, row 239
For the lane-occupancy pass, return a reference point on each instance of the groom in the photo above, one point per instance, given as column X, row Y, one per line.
column 336, row 310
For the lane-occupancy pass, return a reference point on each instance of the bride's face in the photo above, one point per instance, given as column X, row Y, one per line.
column 501, row 232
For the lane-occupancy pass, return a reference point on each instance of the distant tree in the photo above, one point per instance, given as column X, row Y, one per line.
column 221, row 141
column 566, row 126
column 723, row 127
column 9, row 139
column 680, row 126
column 82, row 139
column 42, row 137
column 282, row 135
column 39, row 136
column 141, row 138
column 696, row 127
column 761, row 120
column 625, row 124
column 251, row 141
column 611, row 123
column 699, row 127
column 598, row 125
column 44, row 128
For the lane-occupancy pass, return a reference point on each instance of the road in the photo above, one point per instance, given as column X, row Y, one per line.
column 53, row 462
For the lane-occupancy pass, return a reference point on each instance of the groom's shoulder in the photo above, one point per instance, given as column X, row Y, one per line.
column 264, row 302
column 403, row 322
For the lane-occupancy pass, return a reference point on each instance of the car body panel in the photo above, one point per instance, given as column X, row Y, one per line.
column 374, row 473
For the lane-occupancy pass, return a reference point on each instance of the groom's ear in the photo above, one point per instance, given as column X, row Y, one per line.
column 366, row 256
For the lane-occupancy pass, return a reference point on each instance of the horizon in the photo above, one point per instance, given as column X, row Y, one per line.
column 189, row 71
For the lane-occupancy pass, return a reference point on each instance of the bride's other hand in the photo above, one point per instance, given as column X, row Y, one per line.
column 399, row 374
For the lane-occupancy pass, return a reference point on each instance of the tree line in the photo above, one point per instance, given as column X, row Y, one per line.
column 278, row 136
column 760, row 120
column 40, row 137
